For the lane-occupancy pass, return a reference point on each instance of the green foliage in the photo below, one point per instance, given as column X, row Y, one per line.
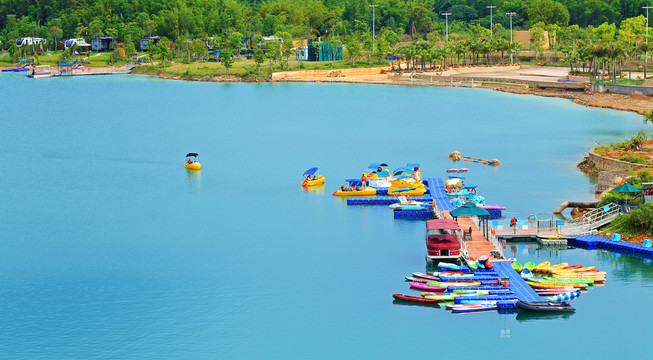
column 548, row 12
column 641, row 220
column 633, row 159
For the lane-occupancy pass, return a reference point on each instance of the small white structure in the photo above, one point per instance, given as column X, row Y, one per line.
column 29, row 41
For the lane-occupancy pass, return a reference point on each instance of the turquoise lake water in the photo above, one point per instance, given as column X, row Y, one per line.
column 111, row 249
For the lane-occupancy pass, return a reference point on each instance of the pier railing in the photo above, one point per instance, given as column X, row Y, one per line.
column 592, row 220
column 490, row 237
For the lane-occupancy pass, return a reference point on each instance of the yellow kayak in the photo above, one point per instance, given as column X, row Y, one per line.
column 318, row 181
column 363, row 192
column 193, row 166
column 542, row 266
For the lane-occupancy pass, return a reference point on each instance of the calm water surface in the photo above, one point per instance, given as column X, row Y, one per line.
column 110, row 249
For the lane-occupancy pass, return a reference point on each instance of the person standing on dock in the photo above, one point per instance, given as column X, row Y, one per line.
column 470, row 233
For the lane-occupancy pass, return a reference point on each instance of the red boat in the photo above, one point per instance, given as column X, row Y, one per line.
column 443, row 240
column 414, row 298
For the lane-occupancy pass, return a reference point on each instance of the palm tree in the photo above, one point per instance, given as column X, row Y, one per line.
column 644, row 47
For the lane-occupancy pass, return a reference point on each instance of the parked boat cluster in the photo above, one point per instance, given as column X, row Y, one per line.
column 560, row 281
column 463, row 289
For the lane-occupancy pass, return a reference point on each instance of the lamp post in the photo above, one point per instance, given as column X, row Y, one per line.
column 490, row 7
column 646, row 53
column 446, row 22
column 511, row 14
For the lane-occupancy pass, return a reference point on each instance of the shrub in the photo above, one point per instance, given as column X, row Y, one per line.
column 641, row 220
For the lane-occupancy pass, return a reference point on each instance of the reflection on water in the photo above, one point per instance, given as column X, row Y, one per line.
column 412, row 303
column 318, row 189
column 194, row 179
column 527, row 316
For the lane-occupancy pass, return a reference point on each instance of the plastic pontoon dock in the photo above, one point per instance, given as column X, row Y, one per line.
column 436, row 189
column 517, row 284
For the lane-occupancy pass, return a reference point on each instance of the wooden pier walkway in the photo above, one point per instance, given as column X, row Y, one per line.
column 478, row 245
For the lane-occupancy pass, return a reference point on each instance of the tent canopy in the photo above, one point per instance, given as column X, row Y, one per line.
column 469, row 209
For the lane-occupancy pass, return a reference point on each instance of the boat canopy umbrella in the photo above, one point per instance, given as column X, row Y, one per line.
column 383, row 165
column 192, row 154
column 469, row 209
column 310, row 171
column 373, row 166
column 626, row 188
column 412, row 165
column 407, row 177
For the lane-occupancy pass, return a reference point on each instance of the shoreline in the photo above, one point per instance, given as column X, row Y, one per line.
column 381, row 76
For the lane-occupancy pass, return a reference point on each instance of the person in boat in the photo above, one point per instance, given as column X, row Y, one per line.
column 308, row 178
column 342, row 188
column 190, row 161
column 314, row 177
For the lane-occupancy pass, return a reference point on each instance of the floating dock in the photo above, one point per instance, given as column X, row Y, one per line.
column 383, row 200
column 599, row 242
column 518, row 286
column 436, row 189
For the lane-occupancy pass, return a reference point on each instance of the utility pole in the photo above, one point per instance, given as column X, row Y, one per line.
column 490, row 7
column 511, row 14
column 446, row 21
column 646, row 54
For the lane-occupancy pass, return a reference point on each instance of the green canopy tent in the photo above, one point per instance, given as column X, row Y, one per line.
column 470, row 209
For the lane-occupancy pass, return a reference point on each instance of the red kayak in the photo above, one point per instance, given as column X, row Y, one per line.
column 488, row 264
column 577, row 266
column 414, row 298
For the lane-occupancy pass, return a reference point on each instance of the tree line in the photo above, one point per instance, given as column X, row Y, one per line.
column 182, row 19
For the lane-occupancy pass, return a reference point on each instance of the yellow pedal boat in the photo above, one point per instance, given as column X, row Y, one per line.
column 318, row 181
column 192, row 162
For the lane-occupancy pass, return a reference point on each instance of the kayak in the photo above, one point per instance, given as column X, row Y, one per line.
column 517, row 266
column 414, row 298
column 425, row 276
column 488, row 264
column 526, row 274
column 472, row 264
column 419, row 280
column 542, row 266
column 447, row 284
column 554, row 291
column 529, row 265
column 449, row 266
column 443, row 297
column 363, row 192
column 580, row 281
column 461, row 308
column 545, row 306
column 430, row 287
column 318, row 181
column 548, row 285
column 563, row 297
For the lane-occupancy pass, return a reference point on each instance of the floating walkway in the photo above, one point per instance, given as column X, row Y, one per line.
column 599, row 242
column 436, row 189
column 414, row 214
column 518, row 286
column 383, row 200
